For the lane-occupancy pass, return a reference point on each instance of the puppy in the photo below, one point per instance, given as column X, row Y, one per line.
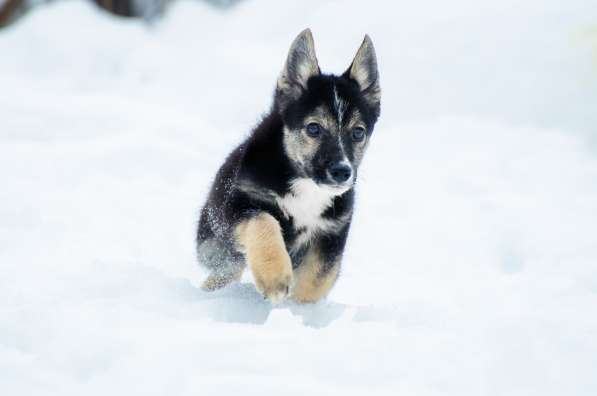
column 282, row 202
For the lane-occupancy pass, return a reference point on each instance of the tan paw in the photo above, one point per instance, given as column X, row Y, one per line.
column 275, row 285
column 260, row 238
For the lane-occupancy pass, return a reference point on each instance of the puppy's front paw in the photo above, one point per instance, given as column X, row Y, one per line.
column 265, row 251
column 275, row 284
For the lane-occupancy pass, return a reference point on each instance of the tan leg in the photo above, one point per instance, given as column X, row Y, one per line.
column 263, row 245
column 311, row 285
column 217, row 281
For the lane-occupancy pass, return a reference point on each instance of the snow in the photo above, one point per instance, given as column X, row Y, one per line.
column 471, row 266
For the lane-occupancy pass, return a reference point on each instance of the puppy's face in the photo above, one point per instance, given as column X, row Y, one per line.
column 328, row 120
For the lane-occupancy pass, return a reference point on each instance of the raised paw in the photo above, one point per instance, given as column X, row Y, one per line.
column 260, row 237
column 274, row 286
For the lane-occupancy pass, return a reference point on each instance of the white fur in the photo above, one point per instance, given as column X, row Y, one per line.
column 340, row 106
column 305, row 203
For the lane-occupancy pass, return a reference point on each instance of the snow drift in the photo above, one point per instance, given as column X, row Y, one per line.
column 483, row 281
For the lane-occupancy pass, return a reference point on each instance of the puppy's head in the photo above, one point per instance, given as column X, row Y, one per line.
column 328, row 120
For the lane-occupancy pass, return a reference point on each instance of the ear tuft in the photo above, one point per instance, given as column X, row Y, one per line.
column 301, row 65
column 364, row 71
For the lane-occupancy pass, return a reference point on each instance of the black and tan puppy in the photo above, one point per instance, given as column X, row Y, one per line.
column 282, row 202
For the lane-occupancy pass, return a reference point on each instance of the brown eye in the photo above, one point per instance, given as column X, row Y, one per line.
column 313, row 129
column 358, row 134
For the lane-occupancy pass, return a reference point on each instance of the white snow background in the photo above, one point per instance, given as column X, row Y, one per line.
column 471, row 267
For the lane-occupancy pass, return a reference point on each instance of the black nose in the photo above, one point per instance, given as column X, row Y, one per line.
column 340, row 172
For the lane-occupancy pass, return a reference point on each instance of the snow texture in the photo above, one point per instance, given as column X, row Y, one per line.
column 471, row 266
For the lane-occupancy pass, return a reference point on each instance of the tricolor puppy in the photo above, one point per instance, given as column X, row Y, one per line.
column 282, row 202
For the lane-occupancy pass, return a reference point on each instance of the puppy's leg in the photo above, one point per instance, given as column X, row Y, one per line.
column 217, row 280
column 224, row 265
column 261, row 240
column 312, row 281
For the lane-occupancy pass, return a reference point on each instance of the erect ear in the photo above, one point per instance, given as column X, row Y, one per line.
column 301, row 65
column 363, row 70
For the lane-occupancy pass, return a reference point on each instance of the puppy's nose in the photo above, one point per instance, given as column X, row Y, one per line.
column 340, row 172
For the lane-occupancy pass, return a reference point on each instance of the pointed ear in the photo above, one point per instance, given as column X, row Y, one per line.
column 364, row 71
column 301, row 65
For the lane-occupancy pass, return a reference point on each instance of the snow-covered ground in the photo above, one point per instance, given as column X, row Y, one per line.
column 472, row 265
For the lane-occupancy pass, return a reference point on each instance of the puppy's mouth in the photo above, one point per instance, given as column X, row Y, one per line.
column 335, row 187
column 334, row 181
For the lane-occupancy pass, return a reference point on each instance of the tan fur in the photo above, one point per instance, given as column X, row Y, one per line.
column 260, row 238
column 301, row 64
column 301, row 148
column 363, row 73
column 217, row 281
column 322, row 116
column 356, row 119
column 310, row 284
column 298, row 146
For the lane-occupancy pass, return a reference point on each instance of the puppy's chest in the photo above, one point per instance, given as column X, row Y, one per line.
column 304, row 205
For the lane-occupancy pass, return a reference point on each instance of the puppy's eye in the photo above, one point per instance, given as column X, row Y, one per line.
column 313, row 129
column 358, row 134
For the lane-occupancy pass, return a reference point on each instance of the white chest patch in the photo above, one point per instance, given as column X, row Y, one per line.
column 305, row 203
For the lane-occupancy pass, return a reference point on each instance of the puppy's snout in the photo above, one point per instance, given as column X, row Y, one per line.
column 340, row 172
